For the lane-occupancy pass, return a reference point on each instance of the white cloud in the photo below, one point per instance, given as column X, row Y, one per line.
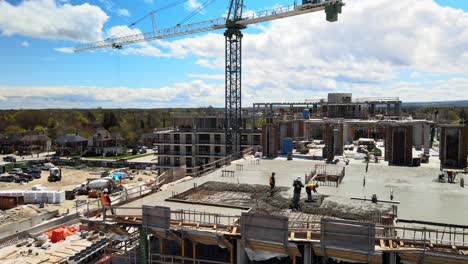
column 370, row 45
column 25, row 44
column 194, row 93
column 149, row 1
column 64, row 50
column 193, row 4
column 123, row 12
column 207, row 76
column 48, row 19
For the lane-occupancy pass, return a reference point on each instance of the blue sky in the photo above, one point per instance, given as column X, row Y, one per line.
column 417, row 50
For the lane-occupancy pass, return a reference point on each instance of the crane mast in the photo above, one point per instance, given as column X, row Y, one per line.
column 233, row 77
column 233, row 24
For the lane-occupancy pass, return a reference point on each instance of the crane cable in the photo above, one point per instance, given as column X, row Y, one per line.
column 175, row 3
column 197, row 11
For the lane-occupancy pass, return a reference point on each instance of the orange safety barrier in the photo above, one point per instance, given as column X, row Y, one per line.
column 60, row 233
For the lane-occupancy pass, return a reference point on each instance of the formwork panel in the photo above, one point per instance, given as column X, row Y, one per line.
column 348, row 235
column 156, row 217
column 264, row 228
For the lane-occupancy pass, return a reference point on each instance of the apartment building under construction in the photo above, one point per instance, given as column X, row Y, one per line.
column 196, row 141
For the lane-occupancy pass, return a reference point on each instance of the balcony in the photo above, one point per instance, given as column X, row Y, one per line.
column 188, row 141
column 205, row 153
column 203, row 141
column 169, row 153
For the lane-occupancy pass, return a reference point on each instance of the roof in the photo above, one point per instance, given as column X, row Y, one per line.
column 35, row 138
column 71, row 138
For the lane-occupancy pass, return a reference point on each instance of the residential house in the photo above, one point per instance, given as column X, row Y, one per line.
column 9, row 143
column 71, row 144
column 105, row 143
column 34, row 143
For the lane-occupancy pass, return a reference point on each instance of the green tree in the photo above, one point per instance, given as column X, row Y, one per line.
column 12, row 129
column 109, row 120
column 453, row 117
column 39, row 128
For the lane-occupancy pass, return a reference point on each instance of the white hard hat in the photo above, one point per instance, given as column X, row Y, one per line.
column 106, row 190
column 298, row 178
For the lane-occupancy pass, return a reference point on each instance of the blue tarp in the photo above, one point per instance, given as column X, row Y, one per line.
column 118, row 176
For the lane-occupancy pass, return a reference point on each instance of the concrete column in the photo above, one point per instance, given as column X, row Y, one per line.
column 241, row 255
column 397, row 108
column 307, row 254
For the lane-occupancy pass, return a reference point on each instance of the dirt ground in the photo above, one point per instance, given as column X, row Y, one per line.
column 71, row 177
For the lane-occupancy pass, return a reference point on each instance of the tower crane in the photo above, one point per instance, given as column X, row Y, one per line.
column 233, row 23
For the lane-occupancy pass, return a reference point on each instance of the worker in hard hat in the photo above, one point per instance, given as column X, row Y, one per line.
column 106, row 201
column 297, row 184
column 311, row 187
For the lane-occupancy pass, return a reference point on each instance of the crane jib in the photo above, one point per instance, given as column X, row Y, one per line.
column 332, row 8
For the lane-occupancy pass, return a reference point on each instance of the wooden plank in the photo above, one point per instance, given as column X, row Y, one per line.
column 308, row 235
column 390, row 244
column 382, row 243
column 234, row 230
column 292, row 236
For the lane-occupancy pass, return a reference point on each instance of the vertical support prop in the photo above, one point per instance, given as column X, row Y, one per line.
column 143, row 245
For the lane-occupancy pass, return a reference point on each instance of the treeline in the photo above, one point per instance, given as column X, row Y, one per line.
column 130, row 123
column 442, row 114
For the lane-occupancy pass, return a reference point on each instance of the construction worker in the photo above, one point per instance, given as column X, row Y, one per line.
column 272, row 183
column 106, row 201
column 297, row 184
column 449, row 176
column 311, row 187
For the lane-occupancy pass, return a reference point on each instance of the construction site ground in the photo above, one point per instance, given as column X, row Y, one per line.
column 28, row 252
column 421, row 197
column 71, row 177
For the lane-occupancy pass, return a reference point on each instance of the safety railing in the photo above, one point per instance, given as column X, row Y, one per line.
column 86, row 206
column 449, row 235
column 204, row 169
column 166, row 259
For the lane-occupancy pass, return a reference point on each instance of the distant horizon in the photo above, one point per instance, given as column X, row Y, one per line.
column 456, row 103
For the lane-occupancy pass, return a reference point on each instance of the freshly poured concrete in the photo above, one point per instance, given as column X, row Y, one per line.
column 421, row 197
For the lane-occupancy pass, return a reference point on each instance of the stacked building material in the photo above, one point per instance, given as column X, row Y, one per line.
column 37, row 197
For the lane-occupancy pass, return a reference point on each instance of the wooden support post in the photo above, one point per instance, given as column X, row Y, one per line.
column 231, row 251
column 161, row 246
column 294, row 260
column 183, row 248
column 194, row 250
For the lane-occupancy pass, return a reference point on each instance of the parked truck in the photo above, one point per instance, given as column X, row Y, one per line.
column 55, row 174
column 97, row 184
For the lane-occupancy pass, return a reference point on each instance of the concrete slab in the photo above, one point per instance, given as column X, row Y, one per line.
column 421, row 197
